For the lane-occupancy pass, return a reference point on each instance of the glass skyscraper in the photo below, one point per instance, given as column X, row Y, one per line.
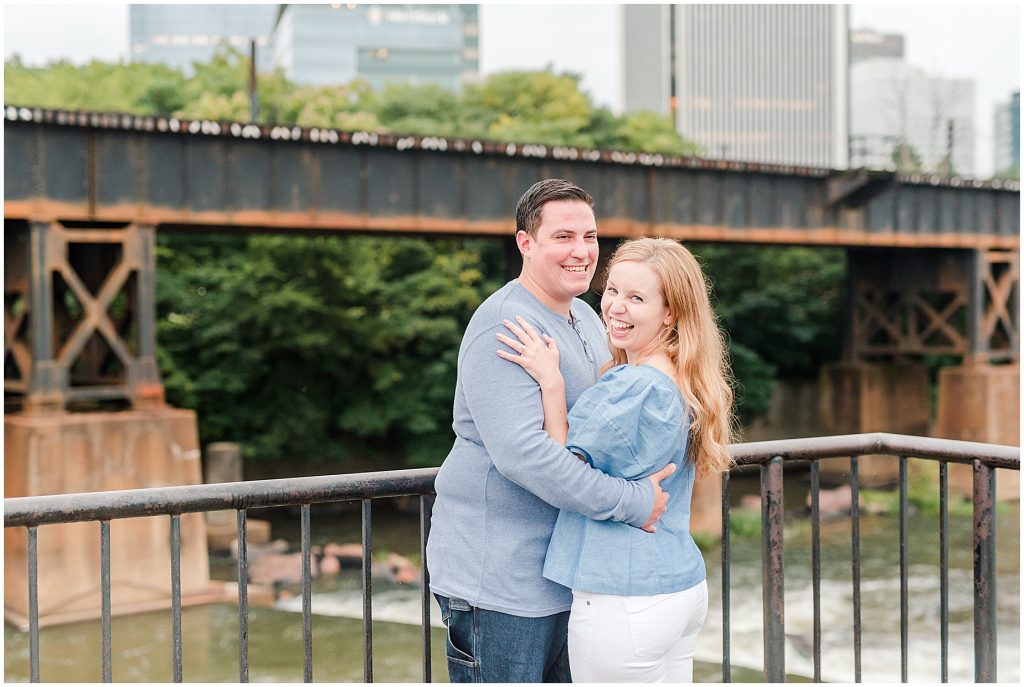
column 1007, row 135
column 319, row 44
column 419, row 44
column 178, row 35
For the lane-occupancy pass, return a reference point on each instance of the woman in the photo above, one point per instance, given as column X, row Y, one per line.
column 639, row 598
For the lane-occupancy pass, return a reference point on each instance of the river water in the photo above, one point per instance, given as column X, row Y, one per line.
column 141, row 643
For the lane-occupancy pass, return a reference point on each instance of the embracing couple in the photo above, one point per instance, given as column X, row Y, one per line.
column 559, row 546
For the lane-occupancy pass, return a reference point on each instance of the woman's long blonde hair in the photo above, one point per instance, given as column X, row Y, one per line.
column 693, row 342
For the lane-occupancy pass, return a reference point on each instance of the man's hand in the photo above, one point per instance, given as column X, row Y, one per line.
column 660, row 497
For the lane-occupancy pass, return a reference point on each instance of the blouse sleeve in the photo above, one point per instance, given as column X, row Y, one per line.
column 630, row 424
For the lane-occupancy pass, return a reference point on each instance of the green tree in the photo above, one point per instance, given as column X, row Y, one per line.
column 645, row 132
column 137, row 88
column 527, row 107
column 782, row 309
column 1010, row 173
column 424, row 110
column 906, row 159
column 219, row 89
column 306, row 346
column 342, row 107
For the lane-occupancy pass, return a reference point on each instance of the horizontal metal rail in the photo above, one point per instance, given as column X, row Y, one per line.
column 845, row 445
column 133, row 503
column 204, row 175
column 30, row 512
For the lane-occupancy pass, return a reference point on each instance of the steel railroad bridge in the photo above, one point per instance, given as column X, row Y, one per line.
column 933, row 262
column 172, row 174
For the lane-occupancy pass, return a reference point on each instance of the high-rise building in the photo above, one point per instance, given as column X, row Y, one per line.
column 755, row 83
column 178, row 35
column 332, row 44
column 903, row 118
column 865, row 43
column 1006, row 152
column 647, row 57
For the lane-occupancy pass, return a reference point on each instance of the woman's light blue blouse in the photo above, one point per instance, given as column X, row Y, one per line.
column 630, row 424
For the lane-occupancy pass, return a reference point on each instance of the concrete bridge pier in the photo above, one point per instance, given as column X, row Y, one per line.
column 858, row 397
column 979, row 400
column 85, row 412
column 980, row 403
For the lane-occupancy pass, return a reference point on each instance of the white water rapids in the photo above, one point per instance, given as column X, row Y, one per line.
column 880, row 625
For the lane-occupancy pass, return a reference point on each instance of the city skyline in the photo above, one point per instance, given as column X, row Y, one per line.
column 981, row 42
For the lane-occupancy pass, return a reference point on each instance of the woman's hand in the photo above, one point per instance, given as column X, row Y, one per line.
column 538, row 354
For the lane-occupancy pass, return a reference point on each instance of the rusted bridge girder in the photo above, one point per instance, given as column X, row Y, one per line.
column 195, row 174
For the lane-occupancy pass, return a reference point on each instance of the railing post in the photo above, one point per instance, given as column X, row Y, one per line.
column 816, row 567
column 105, row 631
column 726, row 650
column 855, row 564
column 984, row 573
column 425, row 510
column 944, row 571
column 176, row 598
column 243, row 597
column 307, row 594
column 33, row 603
column 367, row 593
column 772, row 571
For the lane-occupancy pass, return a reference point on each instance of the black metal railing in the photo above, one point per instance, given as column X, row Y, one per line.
column 32, row 512
column 770, row 455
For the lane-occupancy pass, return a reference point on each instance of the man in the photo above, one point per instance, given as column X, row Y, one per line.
column 501, row 486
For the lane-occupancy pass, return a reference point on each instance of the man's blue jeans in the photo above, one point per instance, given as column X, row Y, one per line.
column 488, row 646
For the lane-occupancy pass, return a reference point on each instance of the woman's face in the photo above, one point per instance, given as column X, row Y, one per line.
column 633, row 308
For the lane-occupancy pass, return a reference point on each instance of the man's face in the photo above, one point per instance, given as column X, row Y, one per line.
column 559, row 262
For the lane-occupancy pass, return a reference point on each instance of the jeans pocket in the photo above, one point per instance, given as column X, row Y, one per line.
column 459, row 644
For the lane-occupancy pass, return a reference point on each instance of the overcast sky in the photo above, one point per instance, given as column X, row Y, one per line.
column 978, row 41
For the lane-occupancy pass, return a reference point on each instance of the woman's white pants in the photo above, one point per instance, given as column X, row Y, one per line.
column 635, row 638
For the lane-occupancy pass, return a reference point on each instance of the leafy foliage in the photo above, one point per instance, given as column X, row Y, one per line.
column 313, row 349
column 304, row 345
column 1010, row 173
column 135, row 88
column 906, row 158
column 782, row 309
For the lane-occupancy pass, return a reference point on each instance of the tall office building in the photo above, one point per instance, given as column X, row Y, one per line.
column 755, row 83
column 332, row 44
column 319, row 44
column 647, row 56
column 1006, row 152
column 894, row 103
column 178, row 35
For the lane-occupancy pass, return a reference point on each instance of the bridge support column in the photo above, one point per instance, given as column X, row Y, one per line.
column 80, row 334
column 222, row 462
column 706, row 505
column 83, row 452
column 980, row 403
column 871, row 397
column 79, row 315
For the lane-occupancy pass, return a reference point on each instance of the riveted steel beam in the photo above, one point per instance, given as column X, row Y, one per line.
column 181, row 174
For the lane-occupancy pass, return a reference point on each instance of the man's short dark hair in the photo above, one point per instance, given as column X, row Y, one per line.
column 531, row 203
